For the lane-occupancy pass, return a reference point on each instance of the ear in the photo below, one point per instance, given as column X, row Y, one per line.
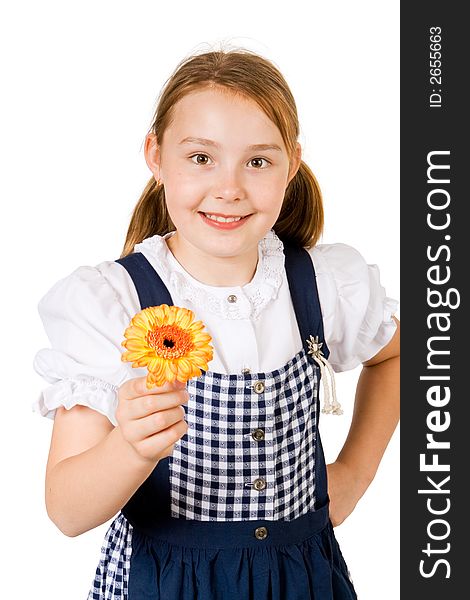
column 295, row 162
column 152, row 154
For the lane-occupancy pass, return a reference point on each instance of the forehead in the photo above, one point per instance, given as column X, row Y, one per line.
column 223, row 116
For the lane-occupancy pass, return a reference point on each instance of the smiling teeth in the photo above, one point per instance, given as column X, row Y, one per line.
column 223, row 219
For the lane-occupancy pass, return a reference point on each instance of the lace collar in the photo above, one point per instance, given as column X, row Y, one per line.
column 250, row 298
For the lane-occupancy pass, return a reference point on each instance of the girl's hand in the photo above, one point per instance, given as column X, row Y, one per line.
column 151, row 421
column 344, row 490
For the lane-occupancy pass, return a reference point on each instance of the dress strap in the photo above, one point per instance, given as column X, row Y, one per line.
column 304, row 293
column 303, row 288
column 148, row 283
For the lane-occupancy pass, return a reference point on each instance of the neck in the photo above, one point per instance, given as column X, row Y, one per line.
column 219, row 271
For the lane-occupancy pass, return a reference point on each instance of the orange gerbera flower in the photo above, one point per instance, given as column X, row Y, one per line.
column 167, row 341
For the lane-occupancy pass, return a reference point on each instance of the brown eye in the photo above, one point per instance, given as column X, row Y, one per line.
column 258, row 162
column 204, row 158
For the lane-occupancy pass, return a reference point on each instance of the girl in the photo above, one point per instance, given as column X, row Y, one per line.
column 220, row 485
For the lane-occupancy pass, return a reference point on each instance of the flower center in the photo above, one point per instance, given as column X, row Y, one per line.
column 170, row 341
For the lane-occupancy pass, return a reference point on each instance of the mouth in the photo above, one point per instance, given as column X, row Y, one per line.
column 224, row 221
column 220, row 218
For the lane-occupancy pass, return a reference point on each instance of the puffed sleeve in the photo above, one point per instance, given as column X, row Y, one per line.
column 357, row 313
column 85, row 316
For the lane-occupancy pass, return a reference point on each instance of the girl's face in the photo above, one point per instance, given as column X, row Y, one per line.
column 221, row 155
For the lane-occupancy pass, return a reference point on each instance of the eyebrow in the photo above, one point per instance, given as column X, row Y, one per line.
column 206, row 142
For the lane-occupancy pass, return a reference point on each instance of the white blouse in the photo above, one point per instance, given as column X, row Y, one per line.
column 86, row 313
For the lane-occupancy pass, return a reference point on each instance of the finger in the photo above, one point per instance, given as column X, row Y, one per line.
column 155, row 423
column 160, row 443
column 133, row 388
column 136, row 408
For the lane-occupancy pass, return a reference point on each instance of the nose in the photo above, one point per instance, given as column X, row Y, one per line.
column 228, row 184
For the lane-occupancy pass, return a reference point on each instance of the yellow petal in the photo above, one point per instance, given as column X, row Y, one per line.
column 184, row 319
column 134, row 345
column 141, row 320
column 184, row 367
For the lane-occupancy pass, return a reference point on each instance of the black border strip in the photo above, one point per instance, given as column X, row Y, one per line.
column 434, row 396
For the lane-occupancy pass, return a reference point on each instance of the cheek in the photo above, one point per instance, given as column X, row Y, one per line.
column 270, row 195
column 180, row 189
column 185, row 184
column 181, row 200
column 273, row 182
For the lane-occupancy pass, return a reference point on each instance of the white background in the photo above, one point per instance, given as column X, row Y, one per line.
column 80, row 81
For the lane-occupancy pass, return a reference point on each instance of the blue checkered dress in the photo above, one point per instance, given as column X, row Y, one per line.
column 240, row 509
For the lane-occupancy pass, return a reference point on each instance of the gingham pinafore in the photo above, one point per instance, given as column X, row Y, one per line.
column 239, row 511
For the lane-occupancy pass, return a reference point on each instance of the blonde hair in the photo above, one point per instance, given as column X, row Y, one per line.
column 300, row 220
